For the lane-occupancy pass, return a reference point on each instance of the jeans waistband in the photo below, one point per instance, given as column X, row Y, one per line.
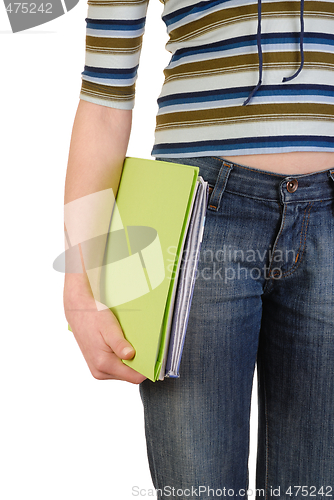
column 261, row 184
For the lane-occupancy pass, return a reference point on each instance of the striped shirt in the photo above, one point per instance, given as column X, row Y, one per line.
column 219, row 51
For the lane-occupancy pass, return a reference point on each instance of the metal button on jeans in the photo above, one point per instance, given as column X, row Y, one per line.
column 292, row 185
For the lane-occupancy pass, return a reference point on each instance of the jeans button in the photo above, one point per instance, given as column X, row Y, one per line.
column 292, row 185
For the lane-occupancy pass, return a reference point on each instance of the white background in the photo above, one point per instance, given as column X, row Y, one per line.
column 63, row 434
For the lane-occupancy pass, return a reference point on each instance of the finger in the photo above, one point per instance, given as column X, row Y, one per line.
column 113, row 336
column 111, row 367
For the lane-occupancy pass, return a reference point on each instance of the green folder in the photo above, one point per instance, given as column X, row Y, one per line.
column 142, row 253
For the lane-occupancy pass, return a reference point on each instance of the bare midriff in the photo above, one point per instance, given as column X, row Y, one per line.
column 299, row 162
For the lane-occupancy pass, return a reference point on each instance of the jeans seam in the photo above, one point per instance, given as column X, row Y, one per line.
column 249, row 168
column 222, row 188
column 277, row 240
column 270, row 200
column 149, row 439
column 299, row 260
column 267, row 433
column 301, row 248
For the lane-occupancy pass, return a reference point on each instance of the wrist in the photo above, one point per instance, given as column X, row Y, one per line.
column 77, row 288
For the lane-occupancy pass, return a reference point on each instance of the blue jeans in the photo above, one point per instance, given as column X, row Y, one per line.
column 264, row 297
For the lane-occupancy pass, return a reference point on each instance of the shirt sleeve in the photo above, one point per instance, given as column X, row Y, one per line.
column 114, row 31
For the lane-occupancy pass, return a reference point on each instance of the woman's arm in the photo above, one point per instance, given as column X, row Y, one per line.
column 98, row 147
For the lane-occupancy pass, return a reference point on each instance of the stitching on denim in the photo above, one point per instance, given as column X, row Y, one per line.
column 260, row 171
column 217, row 182
column 267, row 431
column 262, row 370
column 227, row 172
column 301, row 249
column 302, row 229
column 269, row 200
column 149, row 436
column 301, row 232
column 272, row 173
column 309, row 201
column 249, row 168
column 301, row 235
column 223, row 182
column 277, row 239
column 296, row 265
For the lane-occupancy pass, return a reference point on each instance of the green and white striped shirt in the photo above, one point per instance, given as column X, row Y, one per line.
column 220, row 50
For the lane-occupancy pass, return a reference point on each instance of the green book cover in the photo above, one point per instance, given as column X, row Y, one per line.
column 145, row 236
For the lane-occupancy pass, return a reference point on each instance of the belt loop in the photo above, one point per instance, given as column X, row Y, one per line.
column 331, row 174
column 217, row 193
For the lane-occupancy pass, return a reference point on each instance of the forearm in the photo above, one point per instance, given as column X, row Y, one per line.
column 98, row 147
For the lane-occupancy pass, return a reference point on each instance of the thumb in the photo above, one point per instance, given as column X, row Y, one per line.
column 113, row 336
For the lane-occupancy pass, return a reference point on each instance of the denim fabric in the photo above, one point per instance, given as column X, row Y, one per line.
column 264, row 297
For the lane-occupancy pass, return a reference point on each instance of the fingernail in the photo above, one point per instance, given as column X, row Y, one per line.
column 127, row 351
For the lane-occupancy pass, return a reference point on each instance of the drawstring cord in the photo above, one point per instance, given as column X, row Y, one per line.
column 259, row 50
column 301, row 43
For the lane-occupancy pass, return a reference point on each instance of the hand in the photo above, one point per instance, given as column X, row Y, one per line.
column 100, row 337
